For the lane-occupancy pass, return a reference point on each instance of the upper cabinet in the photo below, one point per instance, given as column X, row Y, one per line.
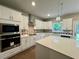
column 39, row 24
column 47, row 25
column 24, row 22
column 10, row 14
column 16, row 16
column 4, row 12
column 67, row 24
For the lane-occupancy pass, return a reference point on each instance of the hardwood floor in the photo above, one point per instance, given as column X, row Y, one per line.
column 27, row 54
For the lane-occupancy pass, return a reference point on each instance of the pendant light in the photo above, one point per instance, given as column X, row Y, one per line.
column 60, row 7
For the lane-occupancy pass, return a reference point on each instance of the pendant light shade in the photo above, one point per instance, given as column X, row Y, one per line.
column 58, row 18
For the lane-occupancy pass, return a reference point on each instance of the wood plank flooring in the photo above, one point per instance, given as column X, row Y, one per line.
column 27, row 54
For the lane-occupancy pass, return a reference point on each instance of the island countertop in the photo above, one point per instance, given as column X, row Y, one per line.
column 62, row 45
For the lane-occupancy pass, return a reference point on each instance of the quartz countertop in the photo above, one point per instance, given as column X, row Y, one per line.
column 66, row 46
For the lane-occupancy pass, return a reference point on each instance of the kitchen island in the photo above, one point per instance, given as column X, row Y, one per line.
column 54, row 47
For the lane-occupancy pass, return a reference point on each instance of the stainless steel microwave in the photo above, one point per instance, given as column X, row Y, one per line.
column 6, row 28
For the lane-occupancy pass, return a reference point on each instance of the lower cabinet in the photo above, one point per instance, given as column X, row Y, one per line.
column 9, row 53
column 27, row 42
column 23, row 43
column 32, row 41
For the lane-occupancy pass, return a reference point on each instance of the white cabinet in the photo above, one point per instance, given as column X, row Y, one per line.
column 43, row 25
column 4, row 12
column 47, row 25
column 23, row 43
column 25, row 21
column 10, row 14
column 30, row 41
column 67, row 24
column 9, row 53
column 16, row 15
column 26, row 42
column 38, row 24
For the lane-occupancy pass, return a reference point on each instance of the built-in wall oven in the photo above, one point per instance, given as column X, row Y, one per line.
column 7, row 28
column 9, row 36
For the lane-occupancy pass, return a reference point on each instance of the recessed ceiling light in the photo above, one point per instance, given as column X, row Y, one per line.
column 33, row 3
column 48, row 15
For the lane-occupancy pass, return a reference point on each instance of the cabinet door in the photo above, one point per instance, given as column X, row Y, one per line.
column 67, row 24
column 8, row 13
column 16, row 15
column 25, row 22
column 9, row 53
column 38, row 24
column 23, row 43
column 28, row 44
column 32, row 41
column 4, row 12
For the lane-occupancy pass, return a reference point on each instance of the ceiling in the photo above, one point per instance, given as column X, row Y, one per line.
column 43, row 7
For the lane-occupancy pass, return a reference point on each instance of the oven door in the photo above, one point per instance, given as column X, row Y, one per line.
column 10, row 28
column 9, row 43
column 5, row 44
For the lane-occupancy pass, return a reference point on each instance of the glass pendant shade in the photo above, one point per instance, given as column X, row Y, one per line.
column 58, row 18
